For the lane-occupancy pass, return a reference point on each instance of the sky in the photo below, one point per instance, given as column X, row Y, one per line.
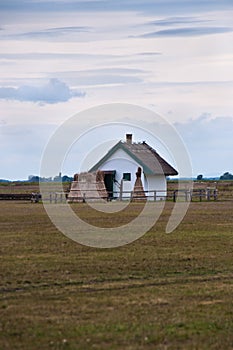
column 61, row 57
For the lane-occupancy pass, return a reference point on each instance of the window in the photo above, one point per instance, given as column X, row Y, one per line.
column 127, row 176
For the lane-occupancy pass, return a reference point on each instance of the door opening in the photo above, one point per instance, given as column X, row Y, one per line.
column 109, row 177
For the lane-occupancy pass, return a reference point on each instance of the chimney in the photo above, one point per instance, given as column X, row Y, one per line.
column 129, row 138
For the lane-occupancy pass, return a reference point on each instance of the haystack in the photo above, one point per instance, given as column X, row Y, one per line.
column 138, row 191
column 88, row 186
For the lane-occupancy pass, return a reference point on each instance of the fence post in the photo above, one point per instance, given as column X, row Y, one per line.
column 154, row 196
column 191, row 195
column 121, row 190
column 174, row 196
column 200, row 195
column 131, row 196
column 215, row 194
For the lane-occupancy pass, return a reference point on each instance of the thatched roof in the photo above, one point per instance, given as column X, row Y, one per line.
column 143, row 154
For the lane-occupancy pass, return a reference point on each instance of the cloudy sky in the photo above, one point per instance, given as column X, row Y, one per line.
column 60, row 57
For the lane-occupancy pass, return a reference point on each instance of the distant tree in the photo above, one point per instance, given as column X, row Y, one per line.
column 199, row 177
column 34, row 179
column 66, row 178
column 226, row 176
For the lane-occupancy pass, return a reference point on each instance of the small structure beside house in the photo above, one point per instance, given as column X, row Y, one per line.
column 87, row 185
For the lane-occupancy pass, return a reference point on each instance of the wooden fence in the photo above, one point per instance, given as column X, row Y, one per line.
column 15, row 196
column 176, row 195
column 195, row 195
column 170, row 195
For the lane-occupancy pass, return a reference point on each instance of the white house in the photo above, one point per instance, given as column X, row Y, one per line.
column 124, row 161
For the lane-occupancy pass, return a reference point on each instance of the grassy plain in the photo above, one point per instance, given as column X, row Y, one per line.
column 164, row 291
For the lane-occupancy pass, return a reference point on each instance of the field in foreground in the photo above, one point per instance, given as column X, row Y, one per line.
column 164, row 291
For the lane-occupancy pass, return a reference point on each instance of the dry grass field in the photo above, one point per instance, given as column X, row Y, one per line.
column 164, row 291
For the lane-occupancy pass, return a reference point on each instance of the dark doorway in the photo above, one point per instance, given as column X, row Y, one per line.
column 109, row 177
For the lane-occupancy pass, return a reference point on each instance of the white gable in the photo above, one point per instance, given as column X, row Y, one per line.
column 121, row 154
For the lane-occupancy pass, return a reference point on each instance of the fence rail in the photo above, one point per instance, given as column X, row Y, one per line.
column 170, row 195
column 120, row 196
column 196, row 195
column 15, row 196
column 155, row 195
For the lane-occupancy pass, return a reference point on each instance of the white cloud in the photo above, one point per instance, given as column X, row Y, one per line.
column 187, row 31
column 53, row 92
column 104, row 76
column 51, row 34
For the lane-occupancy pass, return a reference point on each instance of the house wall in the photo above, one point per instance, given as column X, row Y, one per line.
column 121, row 162
column 158, row 183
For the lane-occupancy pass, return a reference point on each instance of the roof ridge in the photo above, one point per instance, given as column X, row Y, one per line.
column 144, row 155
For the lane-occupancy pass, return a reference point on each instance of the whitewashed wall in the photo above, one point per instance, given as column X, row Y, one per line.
column 121, row 162
column 158, row 183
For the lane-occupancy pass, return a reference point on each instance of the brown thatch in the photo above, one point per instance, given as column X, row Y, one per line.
column 151, row 162
column 149, row 158
column 87, row 186
column 138, row 191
